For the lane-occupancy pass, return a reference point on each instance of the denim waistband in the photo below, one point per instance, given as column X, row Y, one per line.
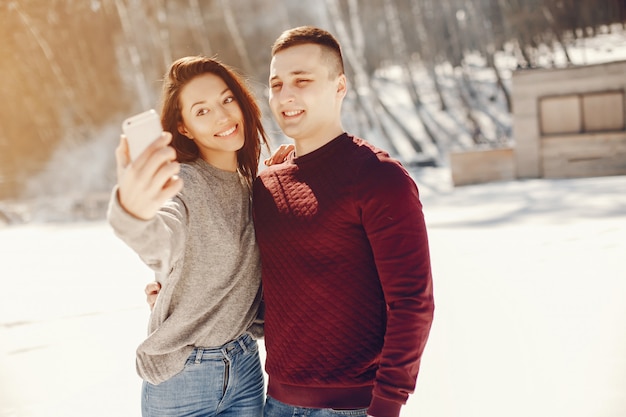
column 243, row 344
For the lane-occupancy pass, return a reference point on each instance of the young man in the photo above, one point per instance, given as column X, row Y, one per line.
column 345, row 259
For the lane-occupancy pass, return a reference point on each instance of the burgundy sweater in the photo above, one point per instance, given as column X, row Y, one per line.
column 346, row 278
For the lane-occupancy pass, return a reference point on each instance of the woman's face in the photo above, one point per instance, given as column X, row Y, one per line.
column 213, row 119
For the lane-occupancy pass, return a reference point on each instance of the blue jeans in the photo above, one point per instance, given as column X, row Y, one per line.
column 275, row 408
column 225, row 382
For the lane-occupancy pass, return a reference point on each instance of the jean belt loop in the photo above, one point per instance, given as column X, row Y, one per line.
column 242, row 344
column 225, row 351
column 199, row 352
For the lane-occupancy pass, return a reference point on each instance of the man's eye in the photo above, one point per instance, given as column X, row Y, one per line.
column 275, row 86
column 302, row 82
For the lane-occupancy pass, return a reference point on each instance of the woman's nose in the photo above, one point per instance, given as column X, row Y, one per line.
column 221, row 114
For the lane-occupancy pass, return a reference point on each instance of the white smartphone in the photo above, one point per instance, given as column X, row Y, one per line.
column 141, row 130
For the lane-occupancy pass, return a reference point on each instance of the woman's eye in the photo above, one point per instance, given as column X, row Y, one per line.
column 202, row 112
column 229, row 99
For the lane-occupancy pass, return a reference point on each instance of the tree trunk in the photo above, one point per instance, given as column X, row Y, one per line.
column 507, row 96
column 164, row 34
column 199, row 31
column 476, row 132
column 143, row 92
column 235, row 34
column 455, row 54
column 66, row 89
column 361, row 79
column 400, row 51
column 557, row 31
column 427, row 55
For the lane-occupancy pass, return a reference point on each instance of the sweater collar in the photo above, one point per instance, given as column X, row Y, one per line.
column 321, row 152
column 214, row 171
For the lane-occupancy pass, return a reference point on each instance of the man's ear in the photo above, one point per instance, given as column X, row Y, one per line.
column 342, row 86
column 183, row 130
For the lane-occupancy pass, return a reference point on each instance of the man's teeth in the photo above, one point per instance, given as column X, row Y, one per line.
column 228, row 132
column 292, row 113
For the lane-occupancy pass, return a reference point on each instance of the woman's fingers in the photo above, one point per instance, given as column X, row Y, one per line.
column 122, row 157
column 149, row 180
column 152, row 292
column 172, row 187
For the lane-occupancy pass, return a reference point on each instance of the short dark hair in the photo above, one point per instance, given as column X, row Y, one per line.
column 310, row 34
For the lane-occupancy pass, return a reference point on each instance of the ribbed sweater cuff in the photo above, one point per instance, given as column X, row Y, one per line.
column 381, row 407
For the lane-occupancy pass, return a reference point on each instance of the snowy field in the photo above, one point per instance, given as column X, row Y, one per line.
column 530, row 287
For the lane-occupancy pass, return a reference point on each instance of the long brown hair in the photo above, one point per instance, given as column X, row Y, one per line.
column 186, row 69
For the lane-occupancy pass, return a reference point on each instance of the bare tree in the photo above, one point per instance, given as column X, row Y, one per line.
column 398, row 43
column 235, row 34
column 199, row 31
column 66, row 90
column 486, row 43
column 363, row 87
column 143, row 91
column 164, row 33
column 427, row 54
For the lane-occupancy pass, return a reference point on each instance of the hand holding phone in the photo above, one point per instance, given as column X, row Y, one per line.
column 141, row 130
column 144, row 188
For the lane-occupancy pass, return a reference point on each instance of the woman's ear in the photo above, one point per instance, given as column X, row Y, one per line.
column 183, row 130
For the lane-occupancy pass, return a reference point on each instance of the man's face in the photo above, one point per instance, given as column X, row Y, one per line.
column 304, row 99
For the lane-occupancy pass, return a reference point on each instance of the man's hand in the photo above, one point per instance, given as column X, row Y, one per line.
column 152, row 292
column 280, row 155
column 148, row 181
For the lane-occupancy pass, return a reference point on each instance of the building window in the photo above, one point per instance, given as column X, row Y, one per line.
column 582, row 113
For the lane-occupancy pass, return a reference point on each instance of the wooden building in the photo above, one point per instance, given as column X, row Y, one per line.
column 567, row 123
column 570, row 122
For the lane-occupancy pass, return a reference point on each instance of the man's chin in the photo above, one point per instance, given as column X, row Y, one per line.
column 289, row 130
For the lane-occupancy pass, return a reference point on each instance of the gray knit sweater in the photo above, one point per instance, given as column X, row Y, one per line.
column 202, row 247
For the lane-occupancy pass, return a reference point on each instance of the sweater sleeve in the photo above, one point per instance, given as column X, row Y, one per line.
column 159, row 241
column 394, row 223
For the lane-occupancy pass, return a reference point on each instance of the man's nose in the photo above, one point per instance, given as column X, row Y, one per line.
column 286, row 95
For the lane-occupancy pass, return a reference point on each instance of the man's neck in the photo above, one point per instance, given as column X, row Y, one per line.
column 308, row 145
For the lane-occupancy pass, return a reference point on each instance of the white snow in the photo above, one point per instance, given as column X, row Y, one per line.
column 530, row 283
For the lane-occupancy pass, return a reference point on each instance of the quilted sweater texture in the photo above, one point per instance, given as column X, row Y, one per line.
column 202, row 247
column 346, row 278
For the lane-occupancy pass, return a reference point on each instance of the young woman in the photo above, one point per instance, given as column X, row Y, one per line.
column 185, row 208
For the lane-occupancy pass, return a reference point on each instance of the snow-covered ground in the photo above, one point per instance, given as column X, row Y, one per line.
column 530, row 288
column 530, row 283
